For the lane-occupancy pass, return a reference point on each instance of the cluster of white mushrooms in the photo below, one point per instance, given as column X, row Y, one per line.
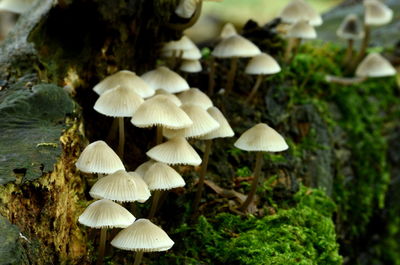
column 163, row 99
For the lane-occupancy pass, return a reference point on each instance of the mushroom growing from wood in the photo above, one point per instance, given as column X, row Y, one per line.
column 234, row 47
column 119, row 102
column 261, row 65
column 260, row 138
column 142, row 236
column 223, row 131
column 98, row 157
column 105, row 214
column 351, row 29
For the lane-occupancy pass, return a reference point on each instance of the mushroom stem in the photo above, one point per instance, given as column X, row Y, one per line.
column 203, row 170
column 138, row 257
column 231, row 74
column 344, row 80
column 159, row 136
column 364, row 45
column 102, row 246
column 156, row 198
column 255, row 88
column 296, row 46
column 211, row 76
column 121, row 142
column 349, row 52
column 254, row 184
column 113, row 131
column 288, row 50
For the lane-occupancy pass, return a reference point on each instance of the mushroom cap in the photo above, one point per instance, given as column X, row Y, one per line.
column 170, row 96
column 164, row 78
column 186, row 8
column 300, row 10
column 184, row 43
column 175, row 151
column 121, row 186
column 191, row 66
column 203, row 123
column 262, row 64
column 98, row 157
column 192, row 54
column 142, row 168
column 160, row 111
column 235, row 46
column 16, row 6
column 160, row 176
column 263, row 138
column 106, row 214
column 224, row 129
column 302, row 30
column 374, row 65
column 118, row 102
column 196, row 97
column 227, row 31
column 377, row 13
column 125, row 78
column 351, row 28
column 144, row 236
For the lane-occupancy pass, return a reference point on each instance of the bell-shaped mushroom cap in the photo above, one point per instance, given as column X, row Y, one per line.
column 127, row 79
column 118, row 102
column 160, row 176
column 235, row 46
column 186, row 8
column 174, row 152
column 374, row 65
column 203, row 123
column 144, row 236
column 160, row 111
column 164, row 78
column 351, row 28
column 184, row 43
column 98, row 157
column 224, row 129
column 121, row 186
column 142, row 168
column 170, row 96
column 263, row 138
column 16, row 6
column 300, row 10
column 196, row 97
column 106, row 214
column 228, row 30
column 301, row 30
column 191, row 66
column 377, row 13
column 262, row 64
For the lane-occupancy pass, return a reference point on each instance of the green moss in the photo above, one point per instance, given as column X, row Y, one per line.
column 304, row 234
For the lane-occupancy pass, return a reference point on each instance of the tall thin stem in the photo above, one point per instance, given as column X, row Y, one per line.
column 154, row 203
column 254, row 184
column 159, row 136
column 121, row 142
column 364, row 45
column 255, row 88
column 349, row 52
column 138, row 257
column 203, row 171
column 102, row 246
column 211, row 76
column 231, row 74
